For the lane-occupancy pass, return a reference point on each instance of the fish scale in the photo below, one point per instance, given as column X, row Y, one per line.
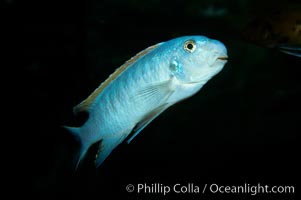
column 141, row 89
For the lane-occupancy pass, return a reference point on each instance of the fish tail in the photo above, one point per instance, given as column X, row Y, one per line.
column 84, row 146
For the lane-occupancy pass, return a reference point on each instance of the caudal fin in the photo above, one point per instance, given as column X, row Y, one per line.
column 106, row 146
column 83, row 144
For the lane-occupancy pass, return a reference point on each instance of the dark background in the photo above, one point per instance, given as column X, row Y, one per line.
column 240, row 128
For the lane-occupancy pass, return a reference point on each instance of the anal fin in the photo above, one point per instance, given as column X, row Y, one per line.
column 106, row 146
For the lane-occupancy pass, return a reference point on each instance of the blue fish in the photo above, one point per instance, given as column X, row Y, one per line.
column 144, row 87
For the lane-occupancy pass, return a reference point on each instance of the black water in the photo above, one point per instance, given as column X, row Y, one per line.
column 240, row 128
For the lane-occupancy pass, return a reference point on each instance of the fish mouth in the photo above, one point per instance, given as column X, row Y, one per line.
column 225, row 58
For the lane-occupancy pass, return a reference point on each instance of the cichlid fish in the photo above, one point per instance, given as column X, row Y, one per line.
column 279, row 29
column 143, row 87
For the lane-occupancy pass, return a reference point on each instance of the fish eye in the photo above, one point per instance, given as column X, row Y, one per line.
column 189, row 46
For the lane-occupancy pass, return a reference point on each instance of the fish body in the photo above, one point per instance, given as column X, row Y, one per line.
column 144, row 87
column 279, row 29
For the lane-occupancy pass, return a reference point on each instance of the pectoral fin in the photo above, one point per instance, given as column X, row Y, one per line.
column 291, row 50
column 154, row 94
column 146, row 120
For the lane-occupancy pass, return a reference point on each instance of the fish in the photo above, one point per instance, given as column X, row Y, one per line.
column 142, row 88
column 280, row 29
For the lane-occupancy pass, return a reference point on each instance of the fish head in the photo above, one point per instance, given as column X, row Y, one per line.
column 197, row 59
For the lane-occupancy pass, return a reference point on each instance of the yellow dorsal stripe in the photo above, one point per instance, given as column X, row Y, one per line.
column 84, row 105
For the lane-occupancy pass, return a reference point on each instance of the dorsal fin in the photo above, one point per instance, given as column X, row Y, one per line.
column 84, row 105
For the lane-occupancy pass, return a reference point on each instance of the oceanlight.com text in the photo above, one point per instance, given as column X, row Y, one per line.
column 213, row 188
column 251, row 189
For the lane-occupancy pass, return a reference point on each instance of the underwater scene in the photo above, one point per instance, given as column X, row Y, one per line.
column 127, row 99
